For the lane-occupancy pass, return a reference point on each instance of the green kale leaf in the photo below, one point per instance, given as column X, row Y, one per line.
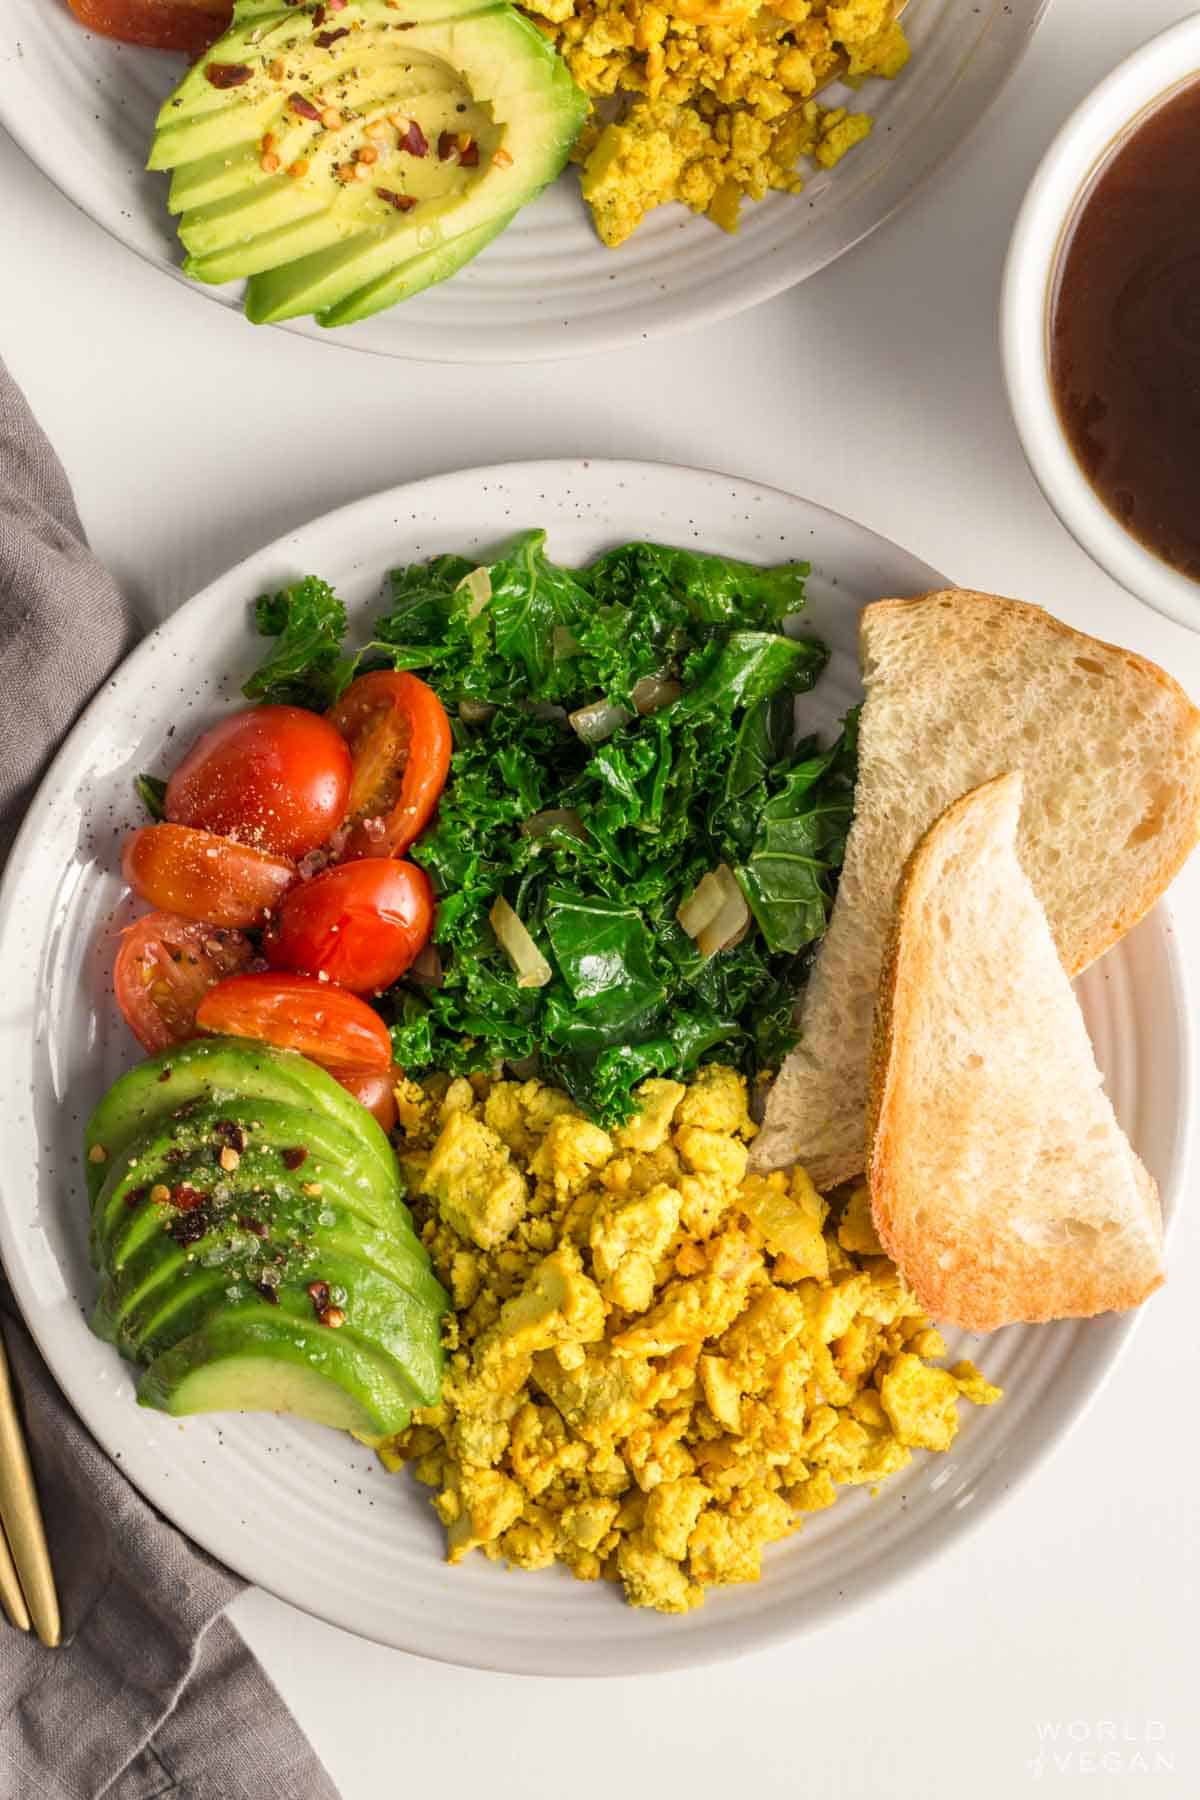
column 306, row 666
column 152, row 792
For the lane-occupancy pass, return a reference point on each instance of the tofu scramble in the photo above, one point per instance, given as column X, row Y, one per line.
column 713, row 99
column 657, row 1365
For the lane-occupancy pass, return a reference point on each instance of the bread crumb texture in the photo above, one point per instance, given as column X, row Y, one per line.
column 657, row 1363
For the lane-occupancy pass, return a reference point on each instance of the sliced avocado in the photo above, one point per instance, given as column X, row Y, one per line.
column 221, row 1068
column 288, row 1160
column 409, row 279
column 379, row 1312
column 199, row 123
column 251, row 1359
column 261, row 1221
column 348, row 211
column 152, row 1267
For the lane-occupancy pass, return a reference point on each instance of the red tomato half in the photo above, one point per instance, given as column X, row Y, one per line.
column 204, row 876
column 321, row 1021
column 164, row 968
column 359, row 924
column 189, row 25
column 373, row 1088
column 277, row 777
column 399, row 735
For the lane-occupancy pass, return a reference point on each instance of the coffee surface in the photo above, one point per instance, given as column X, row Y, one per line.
column 1125, row 331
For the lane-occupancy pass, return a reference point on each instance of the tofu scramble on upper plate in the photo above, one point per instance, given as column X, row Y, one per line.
column 656, row 1363
column 707, row 101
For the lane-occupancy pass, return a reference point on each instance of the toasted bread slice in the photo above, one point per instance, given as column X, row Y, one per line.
column 961, row 687
column 1001, row 1182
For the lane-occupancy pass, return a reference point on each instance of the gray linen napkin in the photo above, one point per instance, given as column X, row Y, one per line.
column 153, row 1693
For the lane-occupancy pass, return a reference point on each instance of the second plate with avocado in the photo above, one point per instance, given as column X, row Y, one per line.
column 342, row 168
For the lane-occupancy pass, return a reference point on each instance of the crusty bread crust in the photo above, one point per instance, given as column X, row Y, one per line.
column 1157, row 877
column 961, row 687
column 987, row 1276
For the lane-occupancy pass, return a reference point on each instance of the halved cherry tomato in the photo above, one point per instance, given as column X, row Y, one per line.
column 204, row 876
column 373, row 1088
column 276, row 777
column 164, row 968
column 189, row 25
column 359, row 924
column 399, row 735
column 320, row 1020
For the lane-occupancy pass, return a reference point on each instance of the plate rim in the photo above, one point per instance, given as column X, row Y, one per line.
column 691, row 310
column 739, row 1637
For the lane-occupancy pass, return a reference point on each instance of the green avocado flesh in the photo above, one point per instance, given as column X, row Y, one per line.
column 266, row 192
column 244, row 1362
column 211, row 1069
column 249, row 1214
column 186, row 1146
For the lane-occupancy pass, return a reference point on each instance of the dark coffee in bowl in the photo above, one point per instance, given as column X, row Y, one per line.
column 1125, row 330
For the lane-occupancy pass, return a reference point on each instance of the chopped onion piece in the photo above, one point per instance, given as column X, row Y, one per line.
column 597, row 721
column 740, row 936
column 715, row 913
column 533, row 971
column 731, row 922
column 479, row 585
column 555, row 818
column 702, row 905
column 563, row 643
column 426, row 968
column 653, row 692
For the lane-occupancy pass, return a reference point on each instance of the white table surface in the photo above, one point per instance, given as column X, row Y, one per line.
column 875, row 389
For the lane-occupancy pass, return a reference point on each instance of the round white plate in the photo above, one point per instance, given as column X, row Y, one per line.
column 304, row 1511
column 83, row 109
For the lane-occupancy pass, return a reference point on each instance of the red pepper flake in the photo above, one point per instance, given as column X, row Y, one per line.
column 318, row 15
column 295, row 1156
column 267, row 1291
column 228, row 1131
column 190, row 1227
column 166, row 1075
column 228, row 75
column 135, row 1196
column 402, row 202
column 414, row 140
column 186, row 1197
column 318, row 1293
column 324, row 39
column 469, row 157
column 304, row 109
column 255, row 1227
column 447, row 144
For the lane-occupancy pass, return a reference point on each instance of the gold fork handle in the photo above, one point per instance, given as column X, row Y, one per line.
column 11, row 1597
column 23, row 1519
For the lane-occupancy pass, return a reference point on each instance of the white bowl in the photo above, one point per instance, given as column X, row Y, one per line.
column 1135, row 87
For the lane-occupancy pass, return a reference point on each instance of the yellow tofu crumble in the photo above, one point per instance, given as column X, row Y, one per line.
column 657, row 1364
column 709, row 101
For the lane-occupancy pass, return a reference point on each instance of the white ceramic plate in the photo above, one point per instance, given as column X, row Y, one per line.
column 305, row 1512
column 83, row 108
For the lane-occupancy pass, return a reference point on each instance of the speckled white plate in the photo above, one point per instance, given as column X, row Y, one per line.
column 308, row 1513
column 83, row 109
